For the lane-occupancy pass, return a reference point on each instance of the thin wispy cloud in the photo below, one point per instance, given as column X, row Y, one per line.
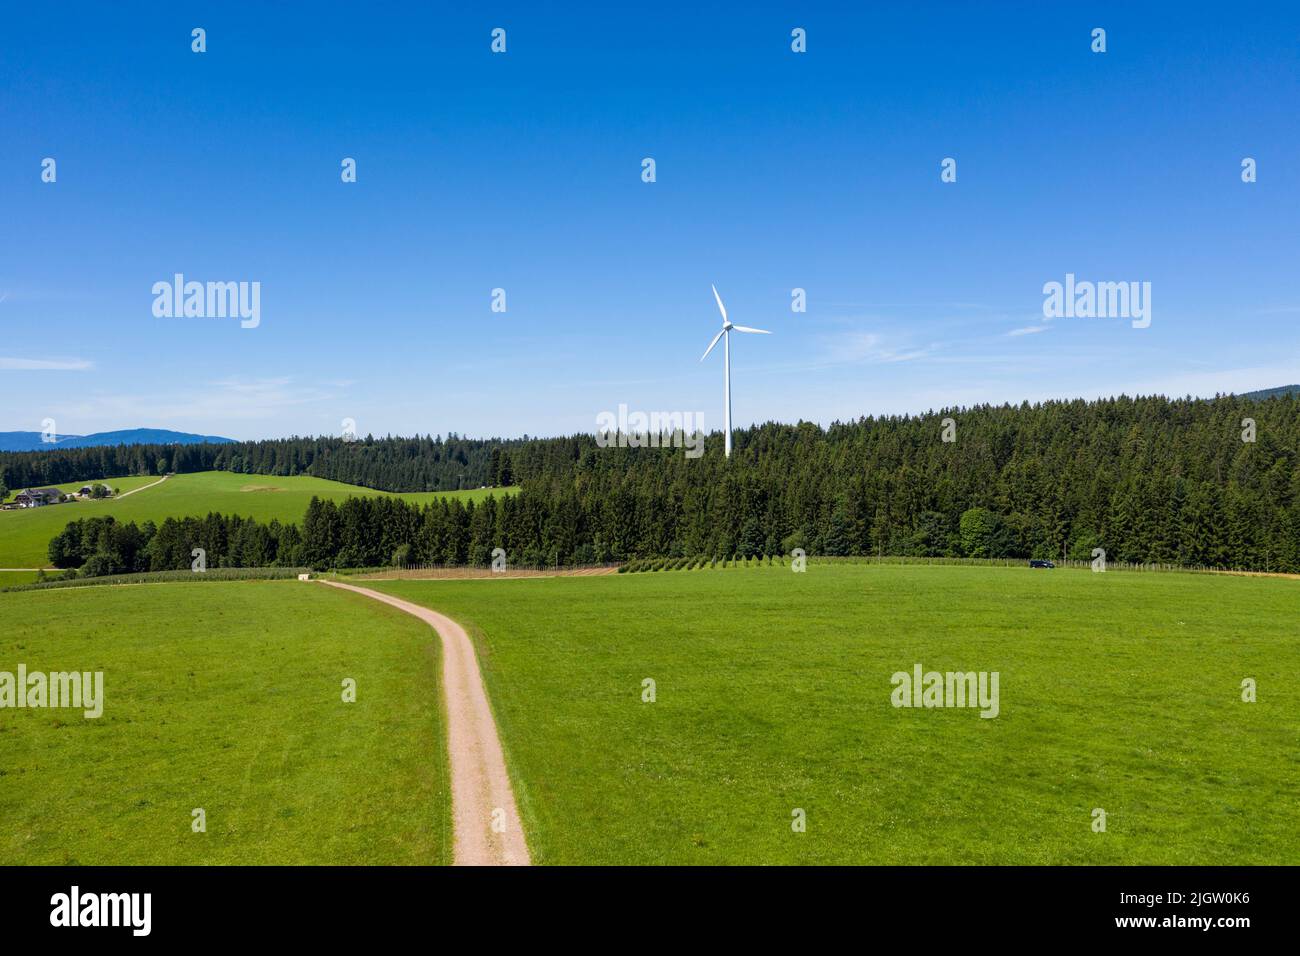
column 919, row 306
column 9, row 364
column 869, row 348
column 221, row 402
column 856, row 347
column 1029, row 330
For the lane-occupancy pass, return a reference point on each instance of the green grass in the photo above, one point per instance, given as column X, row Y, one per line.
column 120, row 485
column 225, row 696
column 25, row 535
column 1118, row 691
column 16, row 577
column 58, row 581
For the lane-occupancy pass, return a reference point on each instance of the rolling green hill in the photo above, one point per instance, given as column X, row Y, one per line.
column 25, row 535
column 120, row 485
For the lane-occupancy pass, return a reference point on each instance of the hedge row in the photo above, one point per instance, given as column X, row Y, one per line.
column 151, row 577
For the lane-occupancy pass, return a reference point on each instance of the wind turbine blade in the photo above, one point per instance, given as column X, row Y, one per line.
column 746, row 328
column 711, row 344
column 721, row 308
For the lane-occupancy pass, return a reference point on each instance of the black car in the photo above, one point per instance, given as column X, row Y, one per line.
column 1041, row 564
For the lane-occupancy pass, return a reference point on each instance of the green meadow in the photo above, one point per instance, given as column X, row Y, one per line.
column 1119, row 691
column 16, row 577
column 772, row 694
column 120, row 485
column 25, row 535
column 225, row 697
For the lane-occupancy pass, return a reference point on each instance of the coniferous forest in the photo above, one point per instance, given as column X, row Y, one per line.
column 1189, row 482
column 392, row 464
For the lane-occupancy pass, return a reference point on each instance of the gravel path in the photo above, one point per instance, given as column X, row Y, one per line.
column 485, row 818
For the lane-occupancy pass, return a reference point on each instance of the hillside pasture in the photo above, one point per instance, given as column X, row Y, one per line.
column 25, row 535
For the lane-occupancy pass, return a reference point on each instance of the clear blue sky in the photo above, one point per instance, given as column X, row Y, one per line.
column 523, row 171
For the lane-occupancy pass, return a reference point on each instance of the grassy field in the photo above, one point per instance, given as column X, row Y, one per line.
column 23, row 551
column 25, row 535
column 16, row 577
column 120, row 485
column 1119, row 691
column 225, row 696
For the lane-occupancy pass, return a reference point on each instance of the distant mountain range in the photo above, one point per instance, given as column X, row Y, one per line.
column 31, row 441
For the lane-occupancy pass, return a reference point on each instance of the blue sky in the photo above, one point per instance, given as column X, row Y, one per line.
column 522, row 171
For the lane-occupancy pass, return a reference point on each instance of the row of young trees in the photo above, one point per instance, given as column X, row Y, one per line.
column 1198, row 482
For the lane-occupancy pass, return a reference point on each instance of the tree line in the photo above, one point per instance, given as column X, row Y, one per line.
column 1212, row 483
column 101, row 545
column 391, row 464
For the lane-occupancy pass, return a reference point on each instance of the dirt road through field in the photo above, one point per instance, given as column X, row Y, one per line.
column 128, row 494
column 485, row 818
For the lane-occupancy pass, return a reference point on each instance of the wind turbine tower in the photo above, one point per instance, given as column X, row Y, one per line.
column 725, row 335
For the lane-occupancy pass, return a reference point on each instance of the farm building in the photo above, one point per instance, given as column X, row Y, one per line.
column 36, row 497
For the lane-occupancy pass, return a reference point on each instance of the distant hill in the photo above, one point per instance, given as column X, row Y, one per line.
column 1270, row 392
column 31, row 441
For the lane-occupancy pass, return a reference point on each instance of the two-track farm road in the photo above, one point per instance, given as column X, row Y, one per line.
column 128, row 494
column 485, row 818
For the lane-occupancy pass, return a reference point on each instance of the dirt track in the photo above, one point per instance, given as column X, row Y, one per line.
column 485, row 818
column 128, row 494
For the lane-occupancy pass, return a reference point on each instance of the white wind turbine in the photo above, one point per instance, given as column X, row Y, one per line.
column 727, row 327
